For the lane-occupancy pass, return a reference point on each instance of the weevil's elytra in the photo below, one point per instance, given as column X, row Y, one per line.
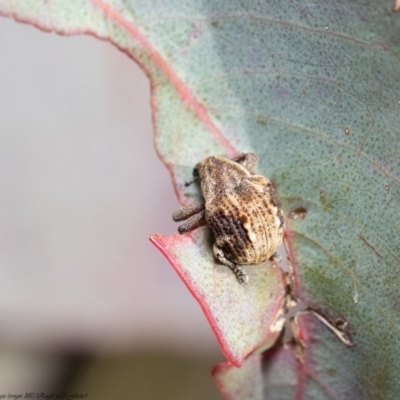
column 241, row 208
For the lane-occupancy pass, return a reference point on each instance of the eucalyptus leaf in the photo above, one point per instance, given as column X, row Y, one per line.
column 313, row 88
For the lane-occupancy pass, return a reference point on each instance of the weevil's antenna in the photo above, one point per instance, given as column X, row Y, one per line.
column 190, row 182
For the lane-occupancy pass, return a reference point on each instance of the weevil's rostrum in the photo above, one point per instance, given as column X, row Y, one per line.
column 241, row 208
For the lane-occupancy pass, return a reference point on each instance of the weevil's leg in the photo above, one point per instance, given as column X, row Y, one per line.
column 247, row 160
column 241, row 276
column 187, row 211
column 193, row 222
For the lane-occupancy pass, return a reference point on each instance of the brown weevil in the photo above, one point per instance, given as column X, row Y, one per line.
column 241, row 208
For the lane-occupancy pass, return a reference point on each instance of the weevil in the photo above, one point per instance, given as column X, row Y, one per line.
column 240, row 207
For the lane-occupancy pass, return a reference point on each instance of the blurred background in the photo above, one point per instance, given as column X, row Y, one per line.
column 87, row 304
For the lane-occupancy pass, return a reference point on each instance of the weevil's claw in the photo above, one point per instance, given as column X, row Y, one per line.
column 276, row 257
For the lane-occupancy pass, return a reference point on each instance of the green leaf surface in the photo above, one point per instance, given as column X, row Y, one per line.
column 278, row 374
column 313, row 88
